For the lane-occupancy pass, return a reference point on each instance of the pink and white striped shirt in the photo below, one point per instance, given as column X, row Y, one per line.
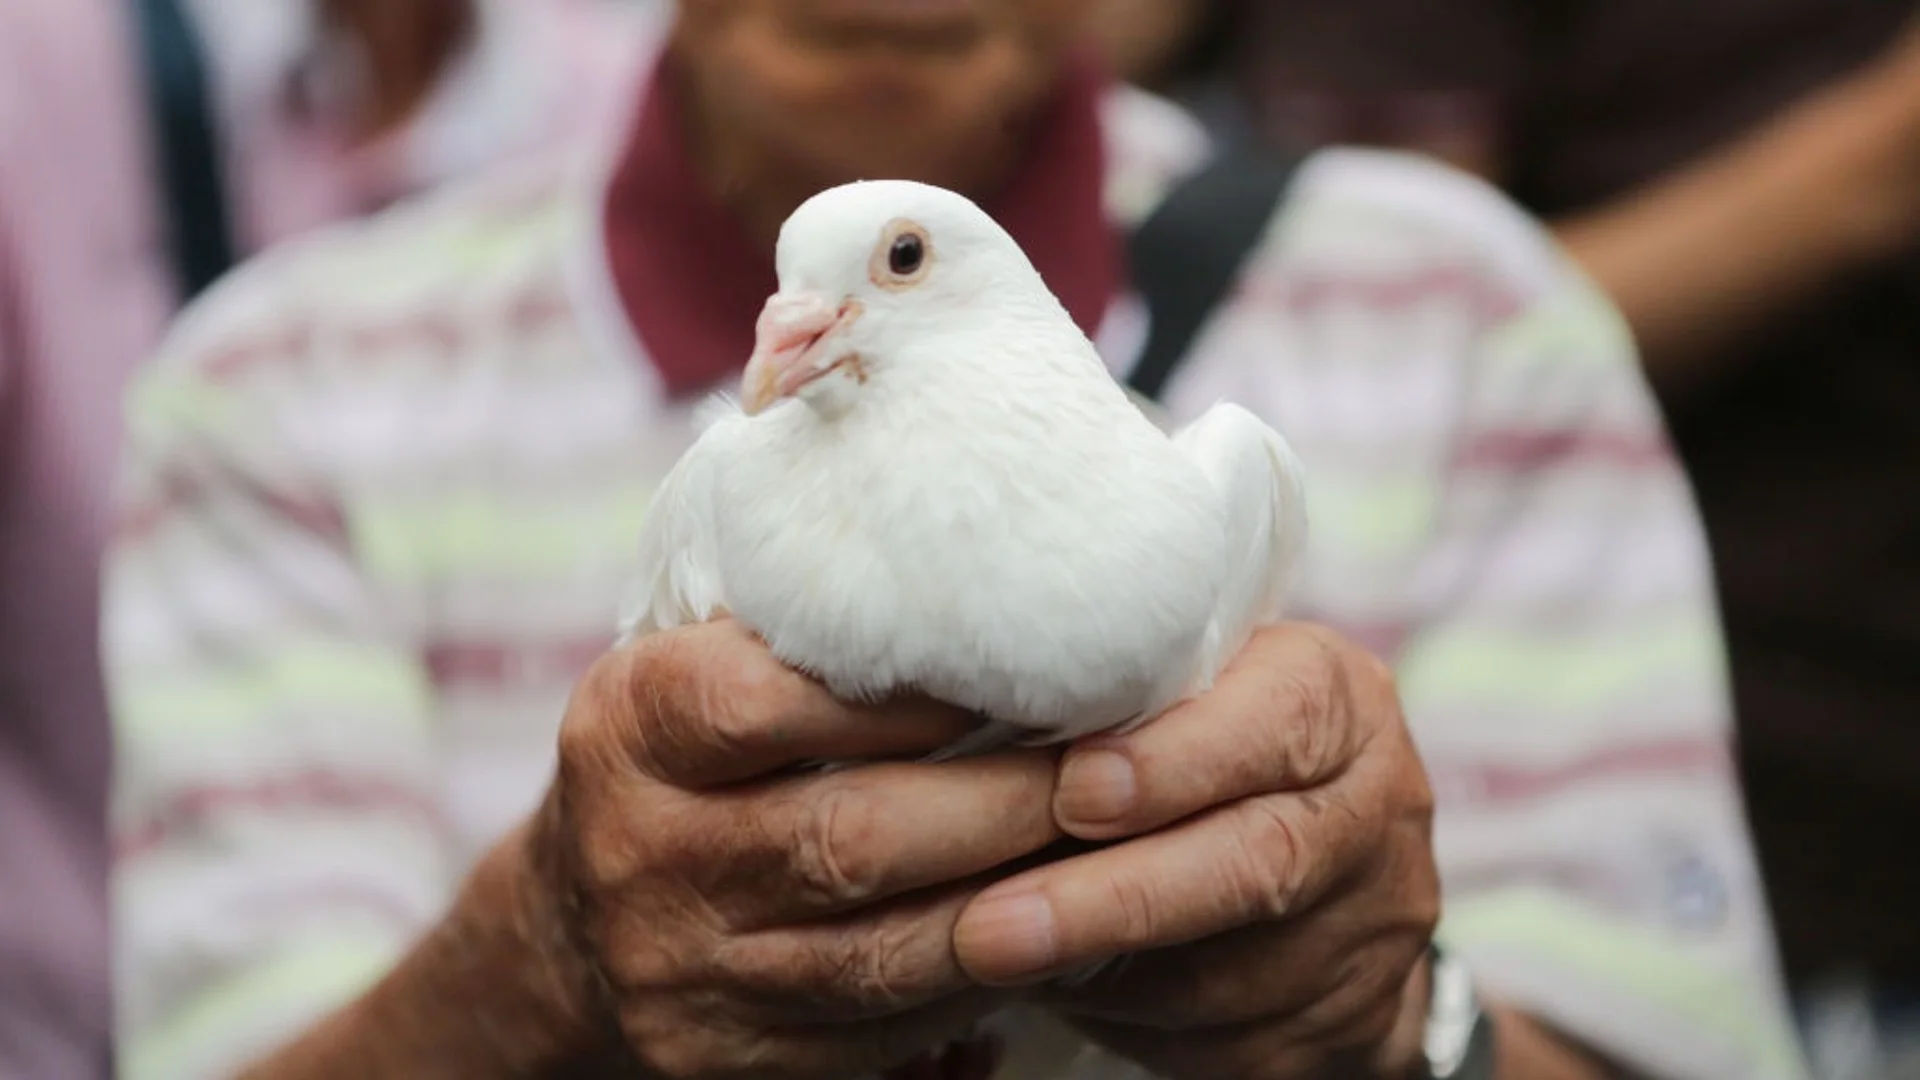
column 383, row 488
column 85, row 294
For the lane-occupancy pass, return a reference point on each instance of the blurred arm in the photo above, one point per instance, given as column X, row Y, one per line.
column 280, row 843
column 1697, row 259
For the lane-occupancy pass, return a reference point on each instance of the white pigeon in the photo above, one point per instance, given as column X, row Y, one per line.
column 933, row 484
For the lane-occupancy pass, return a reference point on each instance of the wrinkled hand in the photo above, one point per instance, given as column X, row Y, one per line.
column 749, row 919
column 1274, row 856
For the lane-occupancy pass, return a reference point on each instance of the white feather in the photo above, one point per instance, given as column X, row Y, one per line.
column 683, row 583
column 986, row 517
column 1262, row 490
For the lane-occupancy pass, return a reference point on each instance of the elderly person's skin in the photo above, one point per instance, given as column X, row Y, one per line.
column 687, row 904
column 1707, row 255
column 685, row 897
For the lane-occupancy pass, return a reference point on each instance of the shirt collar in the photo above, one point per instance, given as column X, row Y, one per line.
column 691, row 284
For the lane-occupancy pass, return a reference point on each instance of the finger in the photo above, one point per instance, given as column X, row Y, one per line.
column 882, row 962
column 806, row 847
column 1258, row 973
column 708, row 705
column 1290, row 712
column 1343, row 1030
column 1253, row 861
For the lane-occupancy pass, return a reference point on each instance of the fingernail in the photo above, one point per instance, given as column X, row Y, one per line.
column 1008, row 937
column 1096, row 787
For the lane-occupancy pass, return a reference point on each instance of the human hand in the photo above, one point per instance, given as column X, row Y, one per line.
column 1272, row 888
column 749, row 919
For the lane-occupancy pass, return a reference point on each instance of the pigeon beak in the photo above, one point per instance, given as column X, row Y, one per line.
column 788, row 347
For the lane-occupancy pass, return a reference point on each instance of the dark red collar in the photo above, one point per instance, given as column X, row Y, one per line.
column 692, row 284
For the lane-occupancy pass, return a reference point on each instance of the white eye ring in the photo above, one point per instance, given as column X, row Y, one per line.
column 903, row 258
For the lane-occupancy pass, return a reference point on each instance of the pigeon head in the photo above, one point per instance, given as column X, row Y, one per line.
column 869, row 274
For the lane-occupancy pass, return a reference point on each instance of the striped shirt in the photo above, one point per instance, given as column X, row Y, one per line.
column 383, row 490
column 86, row 290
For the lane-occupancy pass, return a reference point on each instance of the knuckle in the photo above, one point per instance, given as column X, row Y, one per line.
column 736, row 710
column 656, row 667
column 610, row 720
column 829, row 853
column 877, row 971
column 1306, row 716
column 733, row 710
column 691, row 709
column 1268, row 856
column 1136, row 914
column 842, row 976
column 1305, row 744
column 585, row 748
column 1307, row 690
column 666, row 684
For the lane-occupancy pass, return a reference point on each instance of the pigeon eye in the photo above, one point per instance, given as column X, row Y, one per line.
column 906, row 255
column 903, row 256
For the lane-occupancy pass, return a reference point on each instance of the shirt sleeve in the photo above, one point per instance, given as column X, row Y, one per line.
column 278, row 839
column 1594, row 847
column 1569, row 662
column 1496, row 509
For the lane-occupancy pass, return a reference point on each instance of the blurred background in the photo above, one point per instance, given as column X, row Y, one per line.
column 1742, row 178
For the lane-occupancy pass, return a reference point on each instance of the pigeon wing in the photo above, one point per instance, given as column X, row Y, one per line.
column 1262, row 491
column 679, row 581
